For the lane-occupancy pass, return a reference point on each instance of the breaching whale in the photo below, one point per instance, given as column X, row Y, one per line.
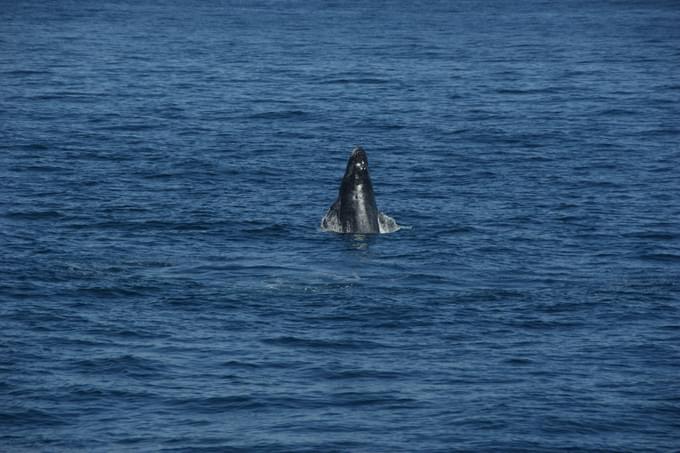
column 355, row 210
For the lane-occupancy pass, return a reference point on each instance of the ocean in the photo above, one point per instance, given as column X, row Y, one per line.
column 165, row 284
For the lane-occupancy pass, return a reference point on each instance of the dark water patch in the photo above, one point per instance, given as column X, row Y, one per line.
column 491, row 295
column 321, row 344
column 124, row 365
column 278, row 115
column 661, row 257
column 518, row 361
column 218, row 445
column 272, row 100
column 11, row 418
column 370, row 399
column 69, row 96
column 38, row 168
column 130, row 127
column 614, row 112
column 48, row 215
column 528, row 91
column 354, row 81
column 372, row 125
column 554, row 305
column 295, row 135
column 586, row 426
column 654, row 235
column 113, row 291
column 546, row 324
column 216, row 404
column 267, row 230
column 85, row 395
column 456, row 131
column 146, row 226
column 31, row 147
column 357, row 374
column 26, row 72
column 241, row 365
column 123, row 333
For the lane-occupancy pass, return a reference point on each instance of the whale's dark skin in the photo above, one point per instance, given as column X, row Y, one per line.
column 355, row 210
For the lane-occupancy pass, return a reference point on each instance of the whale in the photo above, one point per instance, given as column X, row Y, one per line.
column 355, row 209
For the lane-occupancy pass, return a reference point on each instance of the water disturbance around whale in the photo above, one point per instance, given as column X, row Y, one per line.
column 355, row 209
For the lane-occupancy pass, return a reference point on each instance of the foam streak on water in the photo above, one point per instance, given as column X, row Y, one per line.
column 164, row 284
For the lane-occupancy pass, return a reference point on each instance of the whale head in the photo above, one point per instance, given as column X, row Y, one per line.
column 357, row 166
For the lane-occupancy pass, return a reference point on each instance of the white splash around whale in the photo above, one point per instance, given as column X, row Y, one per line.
column 331, row 223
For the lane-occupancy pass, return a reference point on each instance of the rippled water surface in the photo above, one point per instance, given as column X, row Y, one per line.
column 164, row 284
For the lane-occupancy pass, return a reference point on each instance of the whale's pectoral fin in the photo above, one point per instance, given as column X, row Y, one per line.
column 387, row 224
column 331, row 221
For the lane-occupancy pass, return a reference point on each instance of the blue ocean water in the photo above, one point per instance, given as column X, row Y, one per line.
column 164, row 284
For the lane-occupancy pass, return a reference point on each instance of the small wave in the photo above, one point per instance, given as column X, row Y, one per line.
column 379, row 126
column 107, row 292
column 130, row 127
column 38, row 168
column 518, row 361
column 663, row 257
column 239, row 364
column 70, row 96
column 296, row 135
column 526, row 91
column 661, row 131
column 276, row 228
column 29, row 417
column 148, row 225
column 457, row 131
column 34, row 215
column 615, row 112
column 358, row 374
column 289, row 341
column 280, row 115
column 211, row 405
column 654, row 235
column 355, row 81
column 544, row 325
column 89, row 393
column 458, row 230
column 34, row 147
column 357, row 399
column 26, row 72
column 124, row 364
